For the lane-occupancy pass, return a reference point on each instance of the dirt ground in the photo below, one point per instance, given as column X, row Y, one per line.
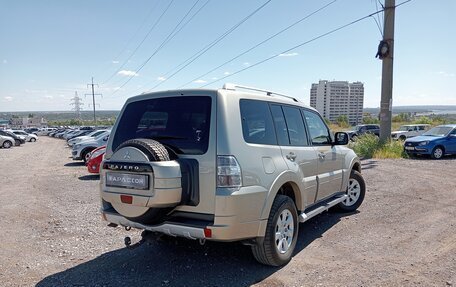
column 52, row 234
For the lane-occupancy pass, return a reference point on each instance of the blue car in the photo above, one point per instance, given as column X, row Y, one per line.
column 436, row 142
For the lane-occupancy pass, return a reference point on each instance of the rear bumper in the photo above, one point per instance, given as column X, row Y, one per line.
column 237, row 217
column 207, row 230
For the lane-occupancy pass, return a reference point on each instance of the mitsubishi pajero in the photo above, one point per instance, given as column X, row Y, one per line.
column 233, row 164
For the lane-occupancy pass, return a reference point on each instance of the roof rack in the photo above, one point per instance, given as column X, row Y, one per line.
column 228, row 86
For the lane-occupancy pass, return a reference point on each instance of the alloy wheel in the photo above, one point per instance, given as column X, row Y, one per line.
column 353, row 192
column 284, row 231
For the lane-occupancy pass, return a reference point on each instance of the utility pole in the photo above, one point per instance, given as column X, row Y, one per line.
column 386, row 51
column 93, row 99
column 77, row 103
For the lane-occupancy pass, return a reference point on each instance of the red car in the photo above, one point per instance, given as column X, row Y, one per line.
column 96, row 156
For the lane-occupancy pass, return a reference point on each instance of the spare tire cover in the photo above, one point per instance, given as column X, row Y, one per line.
column 141, row 150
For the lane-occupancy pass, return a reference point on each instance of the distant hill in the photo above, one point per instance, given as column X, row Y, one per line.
column 434, row 109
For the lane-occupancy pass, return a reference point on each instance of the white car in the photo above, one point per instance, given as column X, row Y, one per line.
column 28, row 137
column 93, row 134
column 82, row 150
column 6, row 142
column 45, row 131
column 409, row 131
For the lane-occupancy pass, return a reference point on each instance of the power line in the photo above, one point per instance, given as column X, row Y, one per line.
column 140, row 44
column 170, row 36
column 134, row 34
column 377, row 20
column 302, row 44
column 262, row 42
column 212, row 44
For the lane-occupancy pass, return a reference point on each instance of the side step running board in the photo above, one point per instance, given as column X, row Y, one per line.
column 303, row 217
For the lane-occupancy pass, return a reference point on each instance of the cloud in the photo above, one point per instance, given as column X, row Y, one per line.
column 200, row 81
column 227, row 73
column 128, row 73
column 8, row 99
column 49, row 97
column 288, row 54
column 5, row 61
column 214, row 78
column 35, row 91
column 161, row 79
column 445, row 74
column 246, row 64
column 115, row 62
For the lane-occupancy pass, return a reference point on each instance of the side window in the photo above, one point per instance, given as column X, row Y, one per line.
column 280, row 125
column 295, row 125
column 257, row 125
column 453, row 132
column 319, row 133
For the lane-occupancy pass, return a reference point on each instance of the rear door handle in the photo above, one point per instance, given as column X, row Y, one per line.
column 291, row 156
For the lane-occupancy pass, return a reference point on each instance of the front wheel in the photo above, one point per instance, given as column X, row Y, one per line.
column 437, row 153
column 33, row 140
column 355, row 191
column 277, row 247
column 86, row 155
column 7, row 144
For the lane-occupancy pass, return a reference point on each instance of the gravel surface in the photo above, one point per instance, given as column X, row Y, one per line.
column 52, row 234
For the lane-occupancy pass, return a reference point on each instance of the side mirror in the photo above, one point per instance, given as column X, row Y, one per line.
column 341, row 138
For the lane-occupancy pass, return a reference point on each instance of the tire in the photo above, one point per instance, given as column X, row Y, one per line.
column 279, row 242
column 7, row 144
column 356, row 191
column 155, row 151
column 33, row 140
column 402, row 138
column 438, row 152
column 354, row 137
column 85, row 155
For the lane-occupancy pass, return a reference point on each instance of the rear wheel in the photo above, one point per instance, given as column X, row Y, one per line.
column 33, row 140
column 7, row 144
column 402, row 138
column 437, row 152
column 279, row 242
column 355, row 191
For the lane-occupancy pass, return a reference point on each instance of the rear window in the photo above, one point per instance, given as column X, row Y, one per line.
column 179, row 123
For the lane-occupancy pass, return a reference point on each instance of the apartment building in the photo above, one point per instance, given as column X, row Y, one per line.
column 335, row 98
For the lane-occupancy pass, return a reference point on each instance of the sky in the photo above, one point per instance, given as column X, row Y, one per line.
column 50, row 50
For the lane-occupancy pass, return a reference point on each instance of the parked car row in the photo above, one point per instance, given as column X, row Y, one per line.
column 87, row 144
column 9, row 138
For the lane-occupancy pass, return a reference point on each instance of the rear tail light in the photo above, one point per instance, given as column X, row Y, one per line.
column 228, row 172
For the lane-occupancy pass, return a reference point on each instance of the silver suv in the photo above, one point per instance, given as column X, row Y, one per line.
column 234, row 164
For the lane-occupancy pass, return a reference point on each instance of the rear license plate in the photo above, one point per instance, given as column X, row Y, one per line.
column 126, row 180
column 409, row 148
